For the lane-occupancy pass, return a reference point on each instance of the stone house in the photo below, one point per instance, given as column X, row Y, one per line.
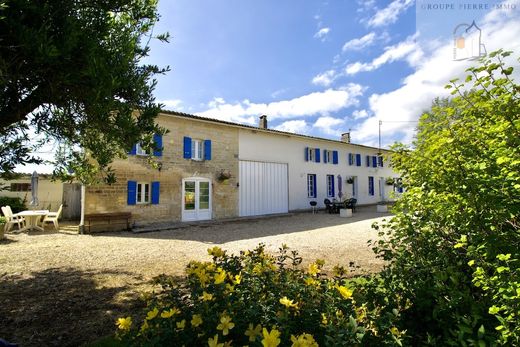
column 211, row 169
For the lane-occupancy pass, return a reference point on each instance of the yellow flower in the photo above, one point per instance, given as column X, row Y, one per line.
column 213, row 342
column 314, row 269
column 324, row 319
column 253, row 332
column 394, row 331
column 181, row 325
column 304, row 340
column 310, row 281
column 220, row 276
column 225, row 325
column 288, row 303
column 229, row 288
column 196, row 320
column 271, row 339
column 152, row 314
column 124, row 323
column 206, row 296
column 172, row 311
column 238, row 279
column 216, row 252
column 345, row 292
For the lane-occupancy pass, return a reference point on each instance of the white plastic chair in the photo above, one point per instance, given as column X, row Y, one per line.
column 53, row 217
column 12, row 219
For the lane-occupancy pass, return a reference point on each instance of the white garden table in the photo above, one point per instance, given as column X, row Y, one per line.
column 32, row 218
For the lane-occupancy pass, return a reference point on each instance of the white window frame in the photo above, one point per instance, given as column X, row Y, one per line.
column 330, row 183
column 311, row 183
column 141, row 188
column 197, row 149
column 311, row 154
column 328, row 156
column 139, row 150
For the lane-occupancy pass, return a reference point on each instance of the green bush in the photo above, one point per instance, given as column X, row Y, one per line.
column 258, row 299
column 2, row 220
column 454, row 244
column 17, row 204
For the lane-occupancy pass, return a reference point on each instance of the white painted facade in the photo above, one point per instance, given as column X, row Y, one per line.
column 272, row 147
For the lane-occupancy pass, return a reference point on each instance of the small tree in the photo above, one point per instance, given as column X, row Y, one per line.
column 454, row 243
column 71, row 71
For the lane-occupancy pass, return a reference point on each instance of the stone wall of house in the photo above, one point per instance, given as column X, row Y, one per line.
column 224, row 141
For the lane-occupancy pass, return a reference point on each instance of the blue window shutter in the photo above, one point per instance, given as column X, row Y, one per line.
column 306, row 153
column 131, row 190
column 351, row 159
column 380, row 161
column 133, row 151
column 334, row 157
column 156, row 188
column 358, row 159
column 333, row 192
column 207, row 149
column 157, row 140
column 317, row 155
column 187, row 147
column 314, row 184
column 370, row 185
column 374, row 161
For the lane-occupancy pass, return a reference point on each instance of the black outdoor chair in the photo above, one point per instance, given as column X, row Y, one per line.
column 351, row 204
column 313, row 205
column 328, row 206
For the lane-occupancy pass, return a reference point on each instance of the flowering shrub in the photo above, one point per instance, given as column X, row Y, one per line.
column 259, row 299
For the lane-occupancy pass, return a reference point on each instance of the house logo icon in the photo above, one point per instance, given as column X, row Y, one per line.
column 467, row 43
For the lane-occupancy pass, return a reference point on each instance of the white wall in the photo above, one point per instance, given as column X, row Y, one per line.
column 270, row 147
column 50, row 194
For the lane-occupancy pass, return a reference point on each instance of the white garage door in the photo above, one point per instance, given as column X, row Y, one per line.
column 263, row 188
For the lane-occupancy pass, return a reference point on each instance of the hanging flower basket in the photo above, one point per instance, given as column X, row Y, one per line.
column 349, row 180
column 223, row 175
column 390, row 181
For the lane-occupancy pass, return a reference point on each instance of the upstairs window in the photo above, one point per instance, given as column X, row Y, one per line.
column 196, row 149
column 139, row 150
column 330, row 156
column 312, row 154
column 351, row 159
column 380, row 161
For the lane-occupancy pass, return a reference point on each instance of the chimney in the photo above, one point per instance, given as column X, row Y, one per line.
column 263, row 122
column 345, row 137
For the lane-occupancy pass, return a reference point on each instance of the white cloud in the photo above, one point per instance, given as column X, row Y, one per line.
column 171, row 104
column 325, row 79
column 389, row 14
column 322, row 33
column 293, row 126
column 407, row 49
column 359, row 43
column 329, row 125
column 360, row 114
column 400, row 109
column 317, row 103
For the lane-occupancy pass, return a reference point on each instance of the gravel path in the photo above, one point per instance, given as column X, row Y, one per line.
column 53, row 283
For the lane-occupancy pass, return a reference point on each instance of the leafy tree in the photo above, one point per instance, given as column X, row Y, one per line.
column 454, row 245
column 70, row 71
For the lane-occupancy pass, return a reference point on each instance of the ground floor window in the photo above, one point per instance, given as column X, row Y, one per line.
column 330, row 186
column 311, row 185
column 143, row 193
column 371, row 186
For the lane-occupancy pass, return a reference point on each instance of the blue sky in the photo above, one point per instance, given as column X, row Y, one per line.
column 319, row 67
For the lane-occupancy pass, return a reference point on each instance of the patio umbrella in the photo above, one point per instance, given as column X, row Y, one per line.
column 340, row 194
column 34, row 189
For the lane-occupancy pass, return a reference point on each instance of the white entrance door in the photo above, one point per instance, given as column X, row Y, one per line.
column 196, row 199
column 263, row 188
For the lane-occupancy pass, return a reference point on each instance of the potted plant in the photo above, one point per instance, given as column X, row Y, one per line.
column 390, row 181
column 2, row 225
column 350, row 180
column 382, row 206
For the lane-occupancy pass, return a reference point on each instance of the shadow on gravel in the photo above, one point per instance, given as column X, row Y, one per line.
column 62, row 307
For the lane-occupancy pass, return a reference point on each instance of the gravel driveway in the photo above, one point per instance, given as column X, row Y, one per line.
column 66, row 289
